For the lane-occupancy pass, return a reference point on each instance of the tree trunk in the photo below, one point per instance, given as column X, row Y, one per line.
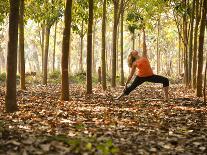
column 185, row 37
column 190, row 56
column 200, row 50
column 144, row 43
column 54, row 50
column 179, row 55
column 133, row 41
column 47, row 35
column 158, row 51
column 89, row 48
column 122, row 47
column 195, row 48
column 93, row 51
column 43, row 45
column 65, row 51
column 103, row 51
column 116, row 8
column 21, row 45
column 81, row 51
column 204, row 87
column 10, row 97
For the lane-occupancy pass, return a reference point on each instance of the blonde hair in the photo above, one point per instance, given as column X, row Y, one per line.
column 131, row 59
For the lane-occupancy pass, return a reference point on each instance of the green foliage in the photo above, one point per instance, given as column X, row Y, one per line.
column 55, row 75
column 134, row 21
column 3, row 77
column 4, row 10
column 92, row 145
column 43, row 10
column 79, row 78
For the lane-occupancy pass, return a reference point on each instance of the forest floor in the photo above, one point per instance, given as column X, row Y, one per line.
column 141, row 123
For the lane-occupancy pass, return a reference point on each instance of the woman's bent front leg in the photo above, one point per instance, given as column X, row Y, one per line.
column 137, row 81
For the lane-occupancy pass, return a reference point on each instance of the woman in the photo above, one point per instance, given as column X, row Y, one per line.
column 144, row 74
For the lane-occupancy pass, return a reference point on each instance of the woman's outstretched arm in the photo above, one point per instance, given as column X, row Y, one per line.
column 133, row 69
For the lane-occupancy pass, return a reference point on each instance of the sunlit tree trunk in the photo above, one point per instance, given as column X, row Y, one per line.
column 190, row 56
column 81, row 50
column 200, row 50
column 158, row 51
column 103, row 51
column 21, row 45
column 10, row 97
column 185, row 40
column 47, row 39
column 179, row 55
column 114, row 48
column 42, row 41
column 93, row 51
column 195, row 47
column 89, row 49
column 144, row 43
column 204, row 85
column 122, row 47
column 54, row 50
column 65, row 51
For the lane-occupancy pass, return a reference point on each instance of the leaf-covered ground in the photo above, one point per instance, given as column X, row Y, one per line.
column 141, row 123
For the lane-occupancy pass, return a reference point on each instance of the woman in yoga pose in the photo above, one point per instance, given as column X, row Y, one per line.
column 144, row 74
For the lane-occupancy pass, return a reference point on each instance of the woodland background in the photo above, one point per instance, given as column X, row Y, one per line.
column 63, row 62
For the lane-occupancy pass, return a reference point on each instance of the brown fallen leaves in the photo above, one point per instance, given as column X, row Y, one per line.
column 141, row 123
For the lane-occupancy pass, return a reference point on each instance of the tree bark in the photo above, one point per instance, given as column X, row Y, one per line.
column 93, row 51
column 89, row 49
column 43, row 45
column 200, row 50
column 190, row 56
column 114, row 48
column 158, row 51
column 81, row 51
column 144, row 43
column 204, row 85
column 65, row 51
column 122, row 46
column 21, row 46
column 54, row 50
column 10, row 97
column 103, row 51
column 195, row 48
column 47, row 39
column 185, row 37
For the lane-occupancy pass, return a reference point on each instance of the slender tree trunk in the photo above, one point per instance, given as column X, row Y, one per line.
column 122, row 47
column 46, row 54
column 43, row 45
column 10, row 97
column 81, row 51
column 204, row 87
column 179, row 55
column 185, row 36
column 93, row 51
column 139, row 41
column 89, row 48
column 69, row 55
column 158, row 51
column 103, row 51
column 191, row 45
column 200, row 50
column 114, row 48
column 133, row 40
column 65, row 51
column 117, row 49
column 195, row 48
column 21, row 45
column 144, row 43
column 54, row 50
